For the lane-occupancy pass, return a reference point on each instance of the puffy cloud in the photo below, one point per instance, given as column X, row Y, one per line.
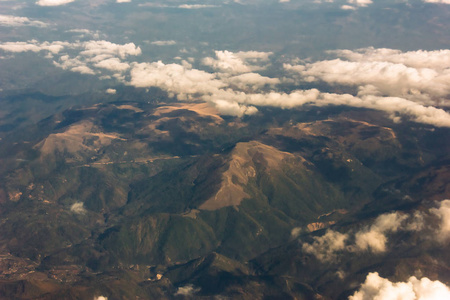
column 326, row 247
column 238, row 62
column 164, row 43
column 253, row 81
column 174, row 78
column 53, row 2
column 187, row 290
column 112, row 64
column 88, row 49
column 101, row 298
column 406, row 83
column 78, row 208
column 374, row 238
column 82, row 70
column 376, row 287
column 389, row 78
column 443, row 213
column 401, row 84
column 111, row 91
column 90, row 57
column 14, row 21
column 123, row 1
column 392, row 105
column 392, row 72
column 438, row 59
column 233, row 108
column 93, row 48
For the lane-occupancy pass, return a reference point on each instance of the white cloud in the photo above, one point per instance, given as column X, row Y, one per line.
column 14, row 21
column 53, row 2
column 438, row 59
column 123, row 1
column 112, row 64
column 443, row 213
column 374, row 237
column 82, row 70
column 93, row 48
column 101, row 298
column 182, row 6
column 34, row 46
column 348, row 7
column 406, row 83
column 111, row 91
column 196, row 6
column 90, row 57
column 187, row 290
column 253, row 81
column 362, row 3
column 438, row 1
column 326, row 247
column 391, row 105
column 371, row 238
column 237, row 62
column 85, row 32
column 376, row 287
column 78, row 208
column 389, row 78
column 164, row 43
column 174, row 78
column 295, row 232
column 233, row 108
column 399, row 85
column 415, row 75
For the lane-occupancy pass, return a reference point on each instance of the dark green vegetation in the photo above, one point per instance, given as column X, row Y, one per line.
column 149, row 199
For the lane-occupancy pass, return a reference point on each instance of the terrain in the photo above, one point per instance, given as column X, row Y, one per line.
column 155, row 198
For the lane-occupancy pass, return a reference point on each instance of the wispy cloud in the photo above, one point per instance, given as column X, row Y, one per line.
column 164, row 43
column 14, row 21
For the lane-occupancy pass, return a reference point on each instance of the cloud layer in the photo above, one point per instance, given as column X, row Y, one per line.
column 406, row 85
